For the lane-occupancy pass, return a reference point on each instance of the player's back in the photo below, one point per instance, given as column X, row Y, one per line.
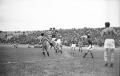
column 43, row 40
column 109, row 33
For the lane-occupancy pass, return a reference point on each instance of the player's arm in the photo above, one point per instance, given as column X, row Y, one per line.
column 102, row 33
column 115, row 33
column 47, row 39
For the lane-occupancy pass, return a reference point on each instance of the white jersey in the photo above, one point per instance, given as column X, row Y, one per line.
column 58, row 41
column 53, row 39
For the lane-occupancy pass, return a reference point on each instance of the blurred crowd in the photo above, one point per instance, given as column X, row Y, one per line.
column 67, row 36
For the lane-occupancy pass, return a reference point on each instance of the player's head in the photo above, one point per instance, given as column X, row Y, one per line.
column 56, row 31
column 50, row 29
column 42, row 34
column 107, row 24
column 88, row 35
column 53, row 28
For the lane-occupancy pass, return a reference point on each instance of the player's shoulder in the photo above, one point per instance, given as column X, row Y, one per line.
column 111, row 29
column 106, row 29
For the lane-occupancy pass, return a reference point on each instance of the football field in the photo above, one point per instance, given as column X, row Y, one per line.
column 30, row 62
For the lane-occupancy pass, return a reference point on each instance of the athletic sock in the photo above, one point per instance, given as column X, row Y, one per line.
column 91, row 54
column 43, row 53
column 111, row 65
column 47, row 53
column 106, row 63
column 85, row 55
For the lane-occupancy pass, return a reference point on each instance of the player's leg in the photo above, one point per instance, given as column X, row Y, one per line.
column 106, row 56
column 72, row 49
column 43, row 51
column 74, row 46
column 56, row 48
column 112, row 57
column 15, row 45
column 87, row 51
column 47, row 52
column 50, row 45
column 80, row 48
column 60, row 49
column 106, row 46
column 61, row 46
column 46, row 48
column 91, row 53
column 112, row 46
column 28, row 46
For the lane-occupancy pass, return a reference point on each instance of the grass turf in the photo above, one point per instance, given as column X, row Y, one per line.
column 30, row 62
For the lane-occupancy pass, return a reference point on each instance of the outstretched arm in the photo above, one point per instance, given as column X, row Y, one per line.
column 48, row 40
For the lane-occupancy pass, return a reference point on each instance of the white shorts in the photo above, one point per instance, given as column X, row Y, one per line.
column 90, row 47
column 53, row 39
column 73, row 45
column 109, row 43
column 58, row 41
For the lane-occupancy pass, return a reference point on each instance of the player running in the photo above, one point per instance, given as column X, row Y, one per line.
column 90, row 47
column 109, row 34
column 43, row 42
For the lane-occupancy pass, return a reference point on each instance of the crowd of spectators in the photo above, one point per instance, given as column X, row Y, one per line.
column 68, row 35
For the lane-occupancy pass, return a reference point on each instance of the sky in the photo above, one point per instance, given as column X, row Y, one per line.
column 28, row 15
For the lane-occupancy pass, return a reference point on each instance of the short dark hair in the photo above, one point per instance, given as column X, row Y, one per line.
column 107, row 24
column 50, row 28
column 42, row 34
column 88, row 35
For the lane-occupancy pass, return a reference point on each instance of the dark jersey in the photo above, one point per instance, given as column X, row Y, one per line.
column 73, row 42
column 89, row 40
column 53, row 36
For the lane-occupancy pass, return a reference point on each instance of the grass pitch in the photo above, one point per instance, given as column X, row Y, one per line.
column 30, row 62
